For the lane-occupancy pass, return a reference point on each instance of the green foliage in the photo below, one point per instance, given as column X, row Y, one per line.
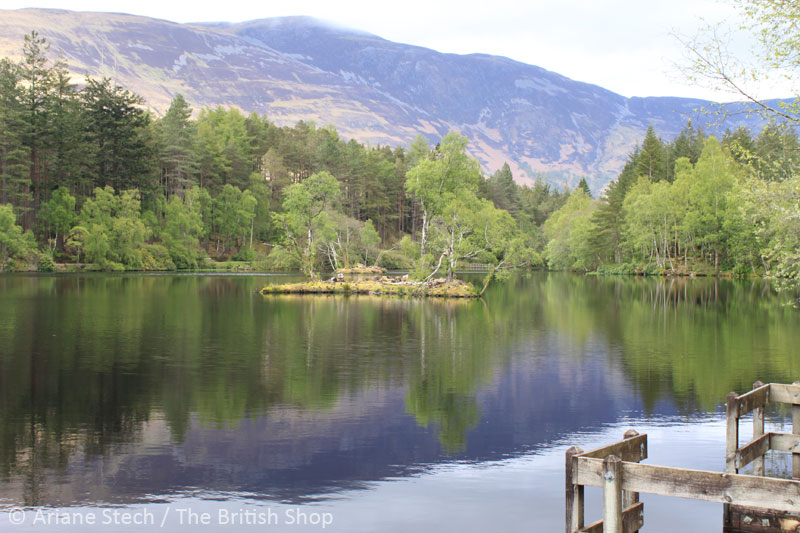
column 436, row 178
column 111, row 233
column 46, row 263
column 651, row 161
column 183, row 226
column 304, row 217
column 369, row 239
column 116, row 127
column 14, row 155
column 568, row 234
column 59, row 213
column 177, row 155
column 15, row 245
column 224, row 185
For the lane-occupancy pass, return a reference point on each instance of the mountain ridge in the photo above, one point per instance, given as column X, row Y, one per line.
column 369, row 88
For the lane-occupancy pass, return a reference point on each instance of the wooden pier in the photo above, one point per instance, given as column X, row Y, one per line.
column 751, row 503
column 473, row 267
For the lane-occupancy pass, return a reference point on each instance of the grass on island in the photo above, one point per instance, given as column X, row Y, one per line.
column 358, row 268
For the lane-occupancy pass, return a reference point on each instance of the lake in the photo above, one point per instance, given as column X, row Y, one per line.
column 191, row 402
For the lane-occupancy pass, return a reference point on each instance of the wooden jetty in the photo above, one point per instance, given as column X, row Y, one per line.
column 751, row 503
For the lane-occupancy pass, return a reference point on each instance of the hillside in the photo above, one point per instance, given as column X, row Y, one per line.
column 371, row 89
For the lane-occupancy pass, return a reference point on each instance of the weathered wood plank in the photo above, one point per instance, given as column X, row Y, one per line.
column 612, row 494
column 754, row 399
column 574, row 493
column 632, row 450
column 796, row 431
column 731, row 432
column 632, row 520
column 731, row 444
column 784, row 442
column 746, row 520
column 782, row 393
column 749, row 491
column 630, row 498
column 758, row 428
column 753, row 450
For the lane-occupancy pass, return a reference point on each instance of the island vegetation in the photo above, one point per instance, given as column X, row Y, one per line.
column 90, row 179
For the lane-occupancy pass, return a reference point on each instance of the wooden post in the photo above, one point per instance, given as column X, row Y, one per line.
column 612, row 494
column 574, row 493
column 731, row 445
column 630, row 498
column 796, row 431
column 758, row 430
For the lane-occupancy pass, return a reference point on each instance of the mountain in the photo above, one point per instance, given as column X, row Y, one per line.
column 371, row 89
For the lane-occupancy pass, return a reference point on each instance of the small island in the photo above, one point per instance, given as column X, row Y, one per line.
column 398, row 286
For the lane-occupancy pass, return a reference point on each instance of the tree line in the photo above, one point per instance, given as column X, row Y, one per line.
column 698, row 204
column 88, row 175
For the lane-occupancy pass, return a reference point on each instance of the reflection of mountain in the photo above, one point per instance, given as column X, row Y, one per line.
column 371, row 89
column 289, row 454
column 116, row 388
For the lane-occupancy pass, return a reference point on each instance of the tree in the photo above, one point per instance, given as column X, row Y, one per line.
column 59, row 214
column 503, row 191
column 177, row 159
column 651, row 160
column 432, row 179
column 38, row 81
column 608, row 219
column 584, row 186
column 14, row 154
column 369, row 239
column 116, row 128
column 715, row 175
column 566, row 232
column 224, row 149
column 183, row 227
column 303, row 216
column 234, row 213
column 111, row 233
column 773, row 26
column 14, row 243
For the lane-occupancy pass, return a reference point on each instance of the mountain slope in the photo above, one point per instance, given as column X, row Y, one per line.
column 374, row 90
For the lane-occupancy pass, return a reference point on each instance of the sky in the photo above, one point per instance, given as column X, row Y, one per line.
column 627, row 46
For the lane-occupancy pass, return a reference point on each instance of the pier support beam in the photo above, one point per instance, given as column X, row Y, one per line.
column 758, row 430
column 574, row 493
column 612, row 494
column 796, row 431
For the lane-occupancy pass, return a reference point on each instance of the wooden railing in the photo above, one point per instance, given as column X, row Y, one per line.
column 751, row 502
column 473, row 267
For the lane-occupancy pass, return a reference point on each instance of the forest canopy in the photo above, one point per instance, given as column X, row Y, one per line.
column 89, row 177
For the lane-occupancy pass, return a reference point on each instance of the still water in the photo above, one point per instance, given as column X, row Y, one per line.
column 192, row 403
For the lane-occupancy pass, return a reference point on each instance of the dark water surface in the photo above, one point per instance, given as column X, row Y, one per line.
column 192, row 403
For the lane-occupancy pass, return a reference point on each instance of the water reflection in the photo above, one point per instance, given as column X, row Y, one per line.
column 118, row 388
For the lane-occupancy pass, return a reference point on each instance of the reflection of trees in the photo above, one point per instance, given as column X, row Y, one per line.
column 85, row 360
column 690, row 340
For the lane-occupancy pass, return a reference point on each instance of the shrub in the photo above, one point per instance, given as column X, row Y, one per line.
column 46, row 263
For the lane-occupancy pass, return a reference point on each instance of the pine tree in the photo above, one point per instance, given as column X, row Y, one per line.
column 584, row 186
column 14, row 156
column 177, row 159
column 116, row 128
column 502, row 190
column 688, row 144
column 651, row 161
